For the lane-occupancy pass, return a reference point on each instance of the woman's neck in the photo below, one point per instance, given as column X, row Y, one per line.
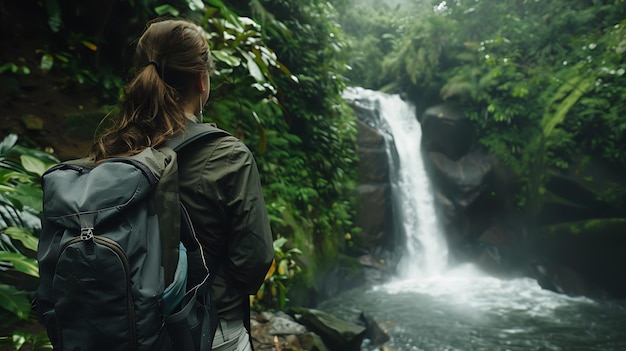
column 192, row 117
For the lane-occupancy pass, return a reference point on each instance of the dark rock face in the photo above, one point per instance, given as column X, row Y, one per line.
column 446, row 130
column 374, row 210
column 472, row 190
column 573, row 245
column 579, row 241
column 374, row 214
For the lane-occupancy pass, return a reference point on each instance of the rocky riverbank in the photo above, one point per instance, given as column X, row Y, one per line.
column 314, row 330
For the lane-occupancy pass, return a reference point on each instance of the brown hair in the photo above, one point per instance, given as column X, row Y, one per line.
column 169, row 56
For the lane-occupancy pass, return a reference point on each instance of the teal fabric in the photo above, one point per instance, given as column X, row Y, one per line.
column 174, row 293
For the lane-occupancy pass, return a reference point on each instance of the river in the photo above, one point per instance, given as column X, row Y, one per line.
column 430, row 306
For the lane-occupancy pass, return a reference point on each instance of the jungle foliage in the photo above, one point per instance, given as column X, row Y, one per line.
column 540, row 80
column 20, row 203
column 277, row 85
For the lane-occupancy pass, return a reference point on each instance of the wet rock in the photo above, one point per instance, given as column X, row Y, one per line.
column 447, row 130
column 336, row 333
column 375, row 333
column 280, row 332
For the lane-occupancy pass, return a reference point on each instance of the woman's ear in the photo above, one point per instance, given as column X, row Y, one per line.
column 203, row 82
column 204, row 85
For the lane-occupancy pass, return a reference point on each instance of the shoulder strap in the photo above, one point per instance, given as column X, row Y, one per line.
column 201, row 292
column 193, row 132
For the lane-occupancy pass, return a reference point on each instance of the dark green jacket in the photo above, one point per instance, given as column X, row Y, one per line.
column 221, row 189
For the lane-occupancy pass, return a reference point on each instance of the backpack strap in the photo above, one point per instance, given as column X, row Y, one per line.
column 193, row 132
column 183, row 323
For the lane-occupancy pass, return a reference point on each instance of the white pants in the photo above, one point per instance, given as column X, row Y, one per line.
column 231, row 336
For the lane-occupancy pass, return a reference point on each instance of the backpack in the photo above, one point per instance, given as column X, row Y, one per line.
column 120, row 265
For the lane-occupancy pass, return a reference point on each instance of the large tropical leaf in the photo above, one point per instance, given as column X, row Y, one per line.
column 566, row 97
column 14, row 300
column 14, row 214
column 27, row 239
column 21, row 263
column 7, row 143
column 34, row 165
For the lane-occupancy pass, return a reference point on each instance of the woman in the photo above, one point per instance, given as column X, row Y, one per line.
column 219, row 179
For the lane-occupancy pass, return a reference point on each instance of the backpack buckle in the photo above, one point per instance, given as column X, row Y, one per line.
column 86, row 233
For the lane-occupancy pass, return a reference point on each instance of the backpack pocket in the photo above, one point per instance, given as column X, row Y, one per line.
column 94, row 306
column 174, row 293
column 193, row 326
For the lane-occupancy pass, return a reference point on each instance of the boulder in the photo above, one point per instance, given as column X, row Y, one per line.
column 281, row 333
column 375, row 333
column 336, row 333
column 583, row 258
column 446, row 130
column 463, row 179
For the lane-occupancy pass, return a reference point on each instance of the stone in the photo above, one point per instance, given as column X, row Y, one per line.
column 375, row 333
column 336, row 333
column 284, row 325
column 445, row 129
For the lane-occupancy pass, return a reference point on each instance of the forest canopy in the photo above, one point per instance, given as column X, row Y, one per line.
column 540, row 80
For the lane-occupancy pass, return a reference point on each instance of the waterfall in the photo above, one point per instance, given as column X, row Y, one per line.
column 433, row 307
column 413, row 200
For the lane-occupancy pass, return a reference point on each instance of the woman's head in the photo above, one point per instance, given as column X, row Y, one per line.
column 177, row 50
column 172, row 65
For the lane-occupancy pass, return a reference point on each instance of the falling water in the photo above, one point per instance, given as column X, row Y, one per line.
column 431, row 307
column 426, row 251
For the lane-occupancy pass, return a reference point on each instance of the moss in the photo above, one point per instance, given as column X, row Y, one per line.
column 597, row 226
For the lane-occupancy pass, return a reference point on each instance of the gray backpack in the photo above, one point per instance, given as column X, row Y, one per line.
column 120, row 265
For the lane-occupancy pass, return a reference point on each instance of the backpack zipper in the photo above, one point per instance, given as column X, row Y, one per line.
column 115, row 247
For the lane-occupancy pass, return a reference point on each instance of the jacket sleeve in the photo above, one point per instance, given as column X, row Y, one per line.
column 249, row 245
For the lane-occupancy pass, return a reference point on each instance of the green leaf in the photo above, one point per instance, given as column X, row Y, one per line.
column 226, row 57
column 54, row 11
column 26, row 238
column 571, row 92
column 21, row 263
column 34, row 165
column 19, row 338
column 216, row 3
column 15, row 301
column 47, row 61
column 166, row 10
column 8, row 67
column 7, row 143
column 255, row 71
column 29, row 195
column 195, row 5
column 278, row 243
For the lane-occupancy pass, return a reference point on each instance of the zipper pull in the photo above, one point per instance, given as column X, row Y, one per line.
column 86, row 233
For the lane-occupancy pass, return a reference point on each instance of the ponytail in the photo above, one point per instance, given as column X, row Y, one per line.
column 169, row 55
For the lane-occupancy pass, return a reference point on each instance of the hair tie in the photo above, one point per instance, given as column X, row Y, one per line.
column 154, row 63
